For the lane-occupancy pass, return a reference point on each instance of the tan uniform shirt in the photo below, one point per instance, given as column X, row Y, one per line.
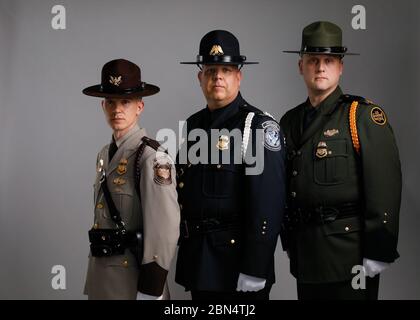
column 157, row 214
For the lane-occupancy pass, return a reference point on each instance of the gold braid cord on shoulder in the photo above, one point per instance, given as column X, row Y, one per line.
column 353, row 126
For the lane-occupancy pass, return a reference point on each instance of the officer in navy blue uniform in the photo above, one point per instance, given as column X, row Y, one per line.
column 231, row 211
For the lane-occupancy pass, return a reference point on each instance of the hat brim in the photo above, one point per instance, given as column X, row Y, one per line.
column 324, row 53
column 98, row 91
column 221, row 63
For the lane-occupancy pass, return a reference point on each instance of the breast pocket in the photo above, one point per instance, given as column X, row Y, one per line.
column 220, row 181
column 331, row 162
column 122, row 195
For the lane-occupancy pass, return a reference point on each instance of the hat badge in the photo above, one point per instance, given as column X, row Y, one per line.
column 216, row 50
column 116, row 81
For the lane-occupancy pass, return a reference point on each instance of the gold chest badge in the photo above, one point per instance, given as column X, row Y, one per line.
column 122, row 167
column 119, row 181
column 321, row 150
column 223, row 143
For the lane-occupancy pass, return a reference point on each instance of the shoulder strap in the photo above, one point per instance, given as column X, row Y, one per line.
column 146, row 141
column 115, row 214
column 353, row 126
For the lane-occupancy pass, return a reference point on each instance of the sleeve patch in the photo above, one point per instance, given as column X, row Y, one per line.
column 378, row 116
column 272, row 135
column 162, row 172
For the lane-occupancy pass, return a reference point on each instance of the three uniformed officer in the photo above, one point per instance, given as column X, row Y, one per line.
column 136, row 220
column 230, row 219
column 344, row 178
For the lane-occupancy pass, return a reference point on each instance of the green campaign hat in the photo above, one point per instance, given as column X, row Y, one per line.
column 322, row 37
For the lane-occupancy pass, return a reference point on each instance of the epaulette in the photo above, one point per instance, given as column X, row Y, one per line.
column 350, row 98
column 152, row 143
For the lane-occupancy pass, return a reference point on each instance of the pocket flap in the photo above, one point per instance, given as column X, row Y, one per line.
column 342, row 226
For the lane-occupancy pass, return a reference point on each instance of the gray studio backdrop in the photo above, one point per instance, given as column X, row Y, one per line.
column 50, row 133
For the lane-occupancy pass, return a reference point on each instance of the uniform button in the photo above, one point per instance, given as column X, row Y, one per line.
column 293, row 194
column 264, row 227
column 95, row 226
column 232, row 241
column 125, row 263
column 294, row 173
column 299, row 153
column 155, row 257
column 347, row 228
column 219, row 166
column 263, row 233
column 385, row 214
column 181, row 185
column 100, row 205
column 264, row 222
column 103, row 238
column 385, row 221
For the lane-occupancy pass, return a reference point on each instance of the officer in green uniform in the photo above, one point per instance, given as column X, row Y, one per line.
column 344, row 179
column 135, row 197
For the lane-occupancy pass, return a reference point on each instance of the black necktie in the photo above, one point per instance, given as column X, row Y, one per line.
column 112, row 150
column 310, row 113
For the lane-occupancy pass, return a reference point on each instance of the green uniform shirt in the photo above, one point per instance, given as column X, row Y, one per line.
column 325, row 171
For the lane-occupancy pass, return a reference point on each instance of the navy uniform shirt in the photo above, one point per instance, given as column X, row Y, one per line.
column 230, row 221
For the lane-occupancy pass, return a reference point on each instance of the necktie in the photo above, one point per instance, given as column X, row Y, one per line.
column 112, row 150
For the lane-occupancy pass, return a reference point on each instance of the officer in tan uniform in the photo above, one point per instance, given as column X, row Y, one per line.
column 136, row 220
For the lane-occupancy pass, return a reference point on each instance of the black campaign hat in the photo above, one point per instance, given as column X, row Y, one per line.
column 121, row 79
column 322, row 37
column 219, row 47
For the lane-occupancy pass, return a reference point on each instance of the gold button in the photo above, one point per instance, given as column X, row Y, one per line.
column 347, row 228
column 95, row 226
column 181, row 185
column 155, row 257
column 385, row 214
column 125, row 263
column 232, row 241
column 219, row 166
column 385, row 221
column 100, row 205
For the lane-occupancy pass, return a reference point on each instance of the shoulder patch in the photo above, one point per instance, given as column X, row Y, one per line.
column 378, row 116
column 162, row 169
column 272, row 135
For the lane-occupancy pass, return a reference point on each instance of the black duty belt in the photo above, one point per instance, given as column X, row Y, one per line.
column 321, row 215
column 191, row 227
column 109, row 242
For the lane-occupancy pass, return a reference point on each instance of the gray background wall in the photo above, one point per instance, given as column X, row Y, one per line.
column 50, row 132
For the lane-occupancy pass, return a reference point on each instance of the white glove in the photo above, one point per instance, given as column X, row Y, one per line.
column 250, row 283
column 373, row 267
column 143, row 296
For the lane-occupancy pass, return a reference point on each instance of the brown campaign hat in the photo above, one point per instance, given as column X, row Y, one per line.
column 322, row 37
column 121, row 79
